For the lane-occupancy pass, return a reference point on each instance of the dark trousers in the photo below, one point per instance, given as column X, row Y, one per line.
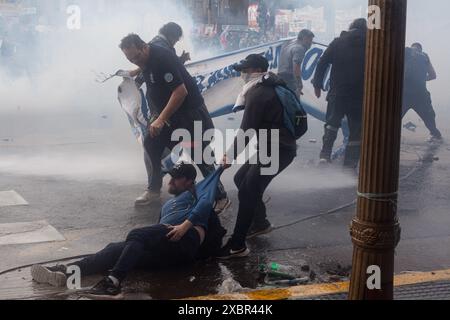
column 148, row 169
column 252, row 185
column 338, row 109
column 155, row 148
column 421, row 103
column 145, row 249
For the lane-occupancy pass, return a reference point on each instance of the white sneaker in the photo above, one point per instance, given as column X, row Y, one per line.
column 324, row 162
column 147, row 198
column 53, row 276
column 222, row 205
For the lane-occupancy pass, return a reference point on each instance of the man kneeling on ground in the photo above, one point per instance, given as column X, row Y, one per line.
column 188, row 230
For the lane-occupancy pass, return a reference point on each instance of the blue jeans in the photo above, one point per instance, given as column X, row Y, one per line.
column 145, row 249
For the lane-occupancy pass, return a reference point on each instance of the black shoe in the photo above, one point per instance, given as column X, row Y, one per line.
column 258, row 230
column 54, row 276
column 106, row 287
column 228, row 252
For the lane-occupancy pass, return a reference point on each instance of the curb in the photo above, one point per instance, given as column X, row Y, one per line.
column 309, row 291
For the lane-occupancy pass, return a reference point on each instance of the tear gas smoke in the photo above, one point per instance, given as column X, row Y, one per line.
column 61, row 101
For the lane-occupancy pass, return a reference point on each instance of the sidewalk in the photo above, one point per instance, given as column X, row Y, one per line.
column 411, row 286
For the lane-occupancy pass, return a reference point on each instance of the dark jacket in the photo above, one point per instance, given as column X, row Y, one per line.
column 347, row 56
column 161, row 41
column 417, row 65
column 263, row 110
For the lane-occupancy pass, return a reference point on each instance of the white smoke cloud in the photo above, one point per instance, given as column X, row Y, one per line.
column 63, row 99
column 67, row 80
column 428, row 23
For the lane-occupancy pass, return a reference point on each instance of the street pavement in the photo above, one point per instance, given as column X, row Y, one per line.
column 82, row 179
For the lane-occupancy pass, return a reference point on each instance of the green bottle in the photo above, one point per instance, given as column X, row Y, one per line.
column 278, row 270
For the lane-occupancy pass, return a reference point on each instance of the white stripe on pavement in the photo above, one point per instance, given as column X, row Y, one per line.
column 28, row 232
column 11, row 198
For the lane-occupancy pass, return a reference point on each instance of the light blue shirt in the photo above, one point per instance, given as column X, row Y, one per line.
column 187, row 207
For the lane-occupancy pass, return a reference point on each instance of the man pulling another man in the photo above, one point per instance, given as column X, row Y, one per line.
column 176, row 103
column 188, row 230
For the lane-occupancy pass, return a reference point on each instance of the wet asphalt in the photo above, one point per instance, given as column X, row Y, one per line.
column 83, row 182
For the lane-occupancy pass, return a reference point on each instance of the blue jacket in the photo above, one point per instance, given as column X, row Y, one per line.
column 195, row 208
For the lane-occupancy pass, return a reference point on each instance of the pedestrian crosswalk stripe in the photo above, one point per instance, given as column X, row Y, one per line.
column 28, row 232
column 11, row 198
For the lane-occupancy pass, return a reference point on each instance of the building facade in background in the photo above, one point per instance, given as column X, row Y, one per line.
column 222, row 12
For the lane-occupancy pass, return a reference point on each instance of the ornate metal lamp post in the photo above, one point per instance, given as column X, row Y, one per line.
column 376, row 230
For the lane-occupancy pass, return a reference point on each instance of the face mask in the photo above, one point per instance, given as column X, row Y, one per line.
column 247, row 77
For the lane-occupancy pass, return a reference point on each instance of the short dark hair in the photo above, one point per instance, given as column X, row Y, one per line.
column 359, row 24
column 132, row 40
column 305, row 33
column 171, row 30
column 418, row 45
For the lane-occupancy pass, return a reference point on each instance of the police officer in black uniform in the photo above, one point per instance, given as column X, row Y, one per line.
column 419, row 70
column 169, row 35
column 167, row 38
column 176, row 100
column 346, row 54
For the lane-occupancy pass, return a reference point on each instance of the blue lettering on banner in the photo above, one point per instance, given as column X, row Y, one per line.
column 309, row 67
column 199, row 81
column 327, row 81
column 312, row 57
column 205, row 82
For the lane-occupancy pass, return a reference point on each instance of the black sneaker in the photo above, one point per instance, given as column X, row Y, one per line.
column 54, row 276
column 106, row 288
column 259, row 230
column 228, row 252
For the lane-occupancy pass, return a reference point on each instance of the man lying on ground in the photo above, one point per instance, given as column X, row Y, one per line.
column 188, row 230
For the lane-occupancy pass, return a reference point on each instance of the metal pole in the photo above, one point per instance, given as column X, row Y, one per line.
column 376, row 231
